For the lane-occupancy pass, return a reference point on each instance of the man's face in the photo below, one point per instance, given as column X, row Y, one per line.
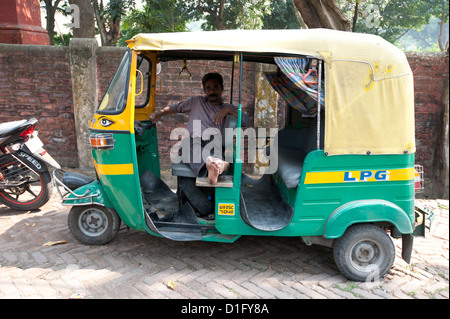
column 213, row 91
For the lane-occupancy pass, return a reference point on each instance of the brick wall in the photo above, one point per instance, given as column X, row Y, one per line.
column 176, row 89
column 35, row 81
column 107, row 59
column 430, row 81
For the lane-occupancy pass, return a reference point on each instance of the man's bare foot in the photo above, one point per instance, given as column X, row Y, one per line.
column 213, row 172
column 215, row 167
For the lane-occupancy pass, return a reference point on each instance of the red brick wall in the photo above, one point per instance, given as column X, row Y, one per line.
column 430, row 79
column 430, row 73
column 35, row 81
column 176, row 89
column 107, row 59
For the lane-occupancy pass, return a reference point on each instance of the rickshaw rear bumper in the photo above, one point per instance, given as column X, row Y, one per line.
column 79, row 189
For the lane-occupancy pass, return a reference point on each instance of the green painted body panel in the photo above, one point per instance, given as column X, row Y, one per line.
column 324, row 209
column 314, row 203
column 147, row 152
column 123, row 191
column 363, row 211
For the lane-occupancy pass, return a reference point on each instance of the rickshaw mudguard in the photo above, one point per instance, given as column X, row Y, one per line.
column 89, row 194
column 366, row 211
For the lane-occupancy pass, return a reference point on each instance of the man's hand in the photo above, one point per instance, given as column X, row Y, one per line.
column 221, row 114
column 154, row 117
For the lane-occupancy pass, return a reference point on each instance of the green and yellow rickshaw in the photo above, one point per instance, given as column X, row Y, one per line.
column 343, row 172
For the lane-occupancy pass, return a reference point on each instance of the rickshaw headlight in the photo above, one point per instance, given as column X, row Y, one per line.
column 101, row 141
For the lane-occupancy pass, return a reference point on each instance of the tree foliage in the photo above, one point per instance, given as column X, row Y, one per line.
column 109, row 18
column 282, row 16
column 232, row 14
column 51, row 6
column 392, row 19
column 156, row 16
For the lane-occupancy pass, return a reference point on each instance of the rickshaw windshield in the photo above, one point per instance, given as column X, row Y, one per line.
column 115, row 98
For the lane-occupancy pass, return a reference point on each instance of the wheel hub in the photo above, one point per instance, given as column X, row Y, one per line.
column 364, row 252
column 93, row 222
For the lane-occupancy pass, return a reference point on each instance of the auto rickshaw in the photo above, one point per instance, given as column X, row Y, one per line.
column 345, row 180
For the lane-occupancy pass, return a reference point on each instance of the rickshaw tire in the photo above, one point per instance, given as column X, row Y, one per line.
column 361, row 234
column 195, row 196
column 76, row 219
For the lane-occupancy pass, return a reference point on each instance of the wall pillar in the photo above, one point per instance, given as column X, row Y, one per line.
column 265, row 113
column 84, row 88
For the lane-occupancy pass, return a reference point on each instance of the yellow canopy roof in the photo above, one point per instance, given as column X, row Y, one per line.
column 369, row 96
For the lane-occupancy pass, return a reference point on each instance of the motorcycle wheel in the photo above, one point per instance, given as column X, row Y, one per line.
column 32, row 194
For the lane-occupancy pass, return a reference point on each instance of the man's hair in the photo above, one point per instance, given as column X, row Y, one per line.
column 213, row 75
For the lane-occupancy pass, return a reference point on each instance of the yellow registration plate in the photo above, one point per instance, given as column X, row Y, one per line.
column 226, row 209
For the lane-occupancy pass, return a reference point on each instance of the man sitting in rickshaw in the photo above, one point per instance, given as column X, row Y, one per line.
column 211, row 111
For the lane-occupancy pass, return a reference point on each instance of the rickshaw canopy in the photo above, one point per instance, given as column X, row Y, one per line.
column 369, row 94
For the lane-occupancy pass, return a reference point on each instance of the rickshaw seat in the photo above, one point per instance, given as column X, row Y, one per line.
column 293, row 147
column 182, row 169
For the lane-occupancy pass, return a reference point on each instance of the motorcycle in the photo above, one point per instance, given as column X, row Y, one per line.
column 25, row 180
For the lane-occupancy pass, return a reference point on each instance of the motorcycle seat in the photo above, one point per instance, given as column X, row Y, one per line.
column 8, row 127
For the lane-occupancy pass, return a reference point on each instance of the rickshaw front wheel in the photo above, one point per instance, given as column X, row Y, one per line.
column 364, row 253
column 93, row 224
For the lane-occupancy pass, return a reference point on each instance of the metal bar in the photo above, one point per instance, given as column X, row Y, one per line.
column 319, row 100
column 232, row 83
column 239, row 119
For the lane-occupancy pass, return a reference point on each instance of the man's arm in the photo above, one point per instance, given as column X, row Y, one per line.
column 154, row 117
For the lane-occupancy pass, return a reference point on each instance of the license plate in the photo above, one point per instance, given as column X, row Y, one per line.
column 226, row 209
column 34, row 144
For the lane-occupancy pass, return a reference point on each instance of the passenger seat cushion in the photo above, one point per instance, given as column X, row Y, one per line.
column 290, row 165
column 182, row 169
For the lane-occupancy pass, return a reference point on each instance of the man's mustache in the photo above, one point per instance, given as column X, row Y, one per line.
column 213, row 95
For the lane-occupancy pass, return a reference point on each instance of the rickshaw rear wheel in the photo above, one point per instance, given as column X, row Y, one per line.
column 93, row 224
column 364, row 253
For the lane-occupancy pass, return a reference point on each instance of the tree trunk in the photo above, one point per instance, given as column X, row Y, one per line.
column 217, row 16
column 50, row 8
column 100, row 24
column 86, row 28
column 50, row 24
column 322, row 14
column 443, row 47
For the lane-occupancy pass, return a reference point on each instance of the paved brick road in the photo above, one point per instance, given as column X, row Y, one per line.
column 137, row 265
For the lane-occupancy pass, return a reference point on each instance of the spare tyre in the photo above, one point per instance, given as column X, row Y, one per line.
column 195, row 196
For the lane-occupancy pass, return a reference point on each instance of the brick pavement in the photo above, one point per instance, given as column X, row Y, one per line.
column 138, row 265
